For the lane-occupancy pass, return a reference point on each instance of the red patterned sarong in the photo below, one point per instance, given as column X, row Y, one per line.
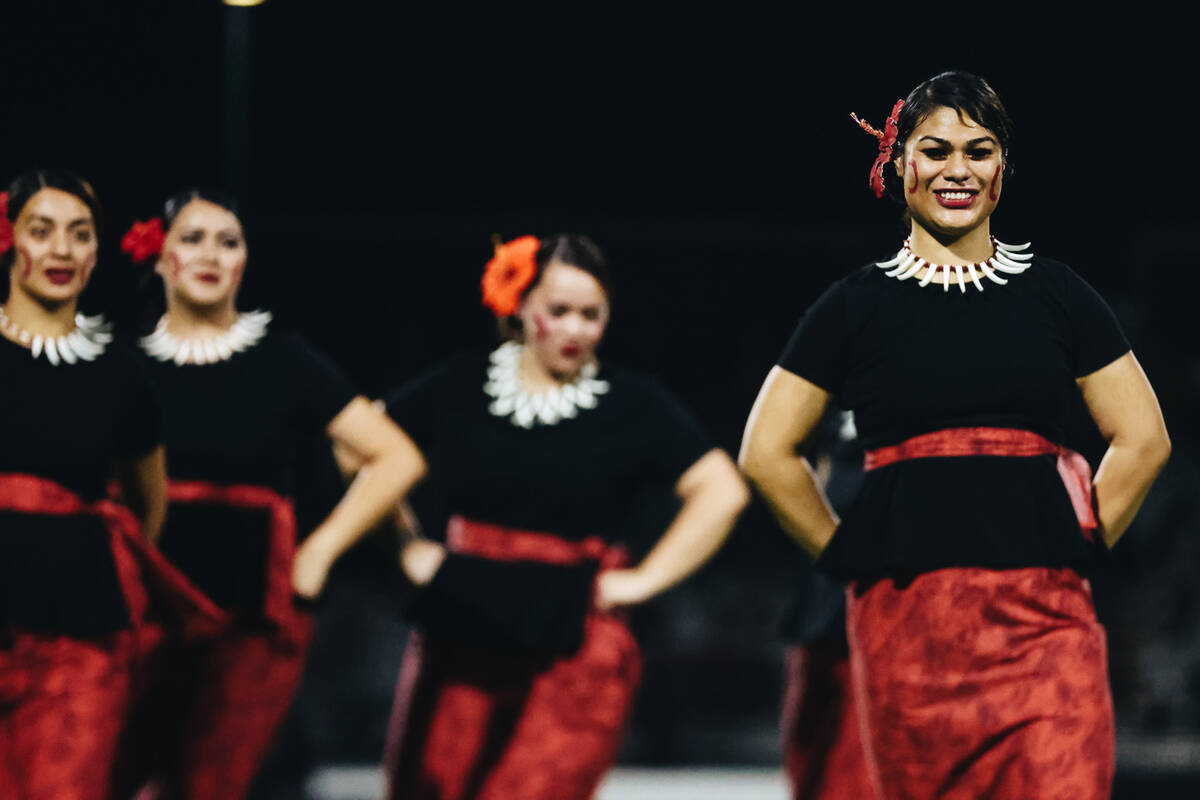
column 212, row 706
column 481, row 724
column 822, row 749
column 64, row 699
column 984, row 683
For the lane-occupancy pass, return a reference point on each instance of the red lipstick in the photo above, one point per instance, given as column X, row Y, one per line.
column 60, row 276
column 571, row 350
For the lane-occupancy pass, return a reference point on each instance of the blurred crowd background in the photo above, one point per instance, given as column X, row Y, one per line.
column 376, row 149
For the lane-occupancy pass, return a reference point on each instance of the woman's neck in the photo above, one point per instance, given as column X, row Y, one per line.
column 187, row 321
column 970, row 248
column 38, row 318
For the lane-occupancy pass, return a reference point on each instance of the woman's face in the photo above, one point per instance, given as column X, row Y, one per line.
column 952, row 169
column 54, row 239
column 203, row 255
column 564, row 317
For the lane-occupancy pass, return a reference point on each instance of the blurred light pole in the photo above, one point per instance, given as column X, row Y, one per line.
column 239, row 70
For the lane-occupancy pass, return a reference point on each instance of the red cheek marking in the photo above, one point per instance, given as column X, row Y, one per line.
column 89, row 264
column 27, row 266
column 176, row 264
column 916, row 178
column 541, row 329
column 993, row 190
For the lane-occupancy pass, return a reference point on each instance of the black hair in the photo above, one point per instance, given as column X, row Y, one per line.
column 176, row 202
column 25, row 186
column 969, row 95
column 573, row 250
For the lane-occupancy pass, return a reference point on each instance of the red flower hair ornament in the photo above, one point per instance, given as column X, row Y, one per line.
column 508, row 274
column 887, row 138
column 144, row 240
column 6, row 228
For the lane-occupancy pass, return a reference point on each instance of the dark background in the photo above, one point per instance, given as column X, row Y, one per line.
column 714, row 159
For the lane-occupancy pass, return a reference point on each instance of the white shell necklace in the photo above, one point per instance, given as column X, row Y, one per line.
column 1005, row 258
column 89, row 339
column 548, row 407
column 246, row 331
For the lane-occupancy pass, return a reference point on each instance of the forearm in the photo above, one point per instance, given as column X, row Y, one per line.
column 375, row 492
column 788, row 486
column 692, row 538
column 1122, row 482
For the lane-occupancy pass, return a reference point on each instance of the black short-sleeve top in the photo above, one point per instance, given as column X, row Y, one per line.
column 577, row 477
column 911, row 359
column 71, row 424
column 240, row 421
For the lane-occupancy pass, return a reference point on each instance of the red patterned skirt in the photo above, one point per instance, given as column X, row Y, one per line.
column 822, row 748
column 471, row 723
column 982, row 683
column 66, row 676
column 211, row 705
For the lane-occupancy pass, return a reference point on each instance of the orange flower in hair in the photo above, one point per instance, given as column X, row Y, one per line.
column 144, row 240
column 6, row 229
column 508, row 275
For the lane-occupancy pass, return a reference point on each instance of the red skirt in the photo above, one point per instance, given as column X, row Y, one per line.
column 64, row 697
column 484, row 724
column 822, row 748
column 211, row 706
column 981, row 683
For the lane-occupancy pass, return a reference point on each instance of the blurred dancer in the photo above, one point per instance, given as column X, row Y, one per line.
column 240, row 400
column 977, row 658
column 75, row 410
column 822, row 746
column 520, row 681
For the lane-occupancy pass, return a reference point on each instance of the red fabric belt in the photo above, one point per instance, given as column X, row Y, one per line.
column 509, row 544
column 141, row 568
column 1073, row 468
column 278, row 604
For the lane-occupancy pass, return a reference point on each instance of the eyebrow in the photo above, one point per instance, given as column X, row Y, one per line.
column 73, row 223
column 971, row 143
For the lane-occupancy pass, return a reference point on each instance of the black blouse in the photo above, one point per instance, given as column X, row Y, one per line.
column 70, row 424
column 908, row 360
column 243, row 421
column 579, row 477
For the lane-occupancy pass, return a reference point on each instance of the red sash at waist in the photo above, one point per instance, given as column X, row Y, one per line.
column 1073, row 468
column 142, row 571
column 499, row 543
column 278, row 606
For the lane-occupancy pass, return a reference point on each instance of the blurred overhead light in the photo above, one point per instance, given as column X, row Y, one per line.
column 243, row 2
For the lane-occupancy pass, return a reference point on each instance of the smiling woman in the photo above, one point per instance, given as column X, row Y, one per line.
column 75, row 411
column 979, row 666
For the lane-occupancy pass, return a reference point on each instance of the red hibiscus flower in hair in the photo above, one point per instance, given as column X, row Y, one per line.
column 508, row 275
column 144, row 240
column 6, row 229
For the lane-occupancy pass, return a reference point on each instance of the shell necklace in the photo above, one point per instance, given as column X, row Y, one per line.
column 89, row 339
column 250, row 327
column 549, row 407
column 1005, row 258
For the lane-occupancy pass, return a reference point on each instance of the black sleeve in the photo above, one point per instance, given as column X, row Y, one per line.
column 673, row 437
column 817, row 349
column 322, row 390
column 141, row 417
column 413, row 406
column 1096, row 336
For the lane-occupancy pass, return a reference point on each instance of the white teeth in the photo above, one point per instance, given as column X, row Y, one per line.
column 955, row 195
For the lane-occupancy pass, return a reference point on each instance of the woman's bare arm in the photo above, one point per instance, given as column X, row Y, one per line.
column 391, row 465
column 786, row 413
column 713, row 496
column 1124, row 406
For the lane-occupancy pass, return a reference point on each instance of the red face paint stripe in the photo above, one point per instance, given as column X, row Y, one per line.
column 993, row 193
column 916, row 177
